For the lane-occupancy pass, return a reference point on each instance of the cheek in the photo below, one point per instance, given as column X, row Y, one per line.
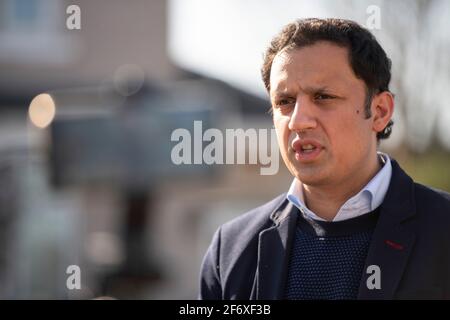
column 281, row 127
column 350, row 133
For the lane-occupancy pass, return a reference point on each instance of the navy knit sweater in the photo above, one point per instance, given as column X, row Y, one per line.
column 327, row 258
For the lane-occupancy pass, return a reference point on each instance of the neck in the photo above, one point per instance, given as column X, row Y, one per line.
column 325, row 201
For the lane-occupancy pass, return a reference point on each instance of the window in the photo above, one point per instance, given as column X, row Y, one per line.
column 33, row 32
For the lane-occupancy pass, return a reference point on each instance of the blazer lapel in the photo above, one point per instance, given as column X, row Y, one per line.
column 393, row 238
column 273, row 253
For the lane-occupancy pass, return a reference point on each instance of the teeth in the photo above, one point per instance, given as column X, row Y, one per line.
column 308, row 147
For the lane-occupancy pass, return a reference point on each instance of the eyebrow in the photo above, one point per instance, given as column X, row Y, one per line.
column 282, row 95
column 308, row 90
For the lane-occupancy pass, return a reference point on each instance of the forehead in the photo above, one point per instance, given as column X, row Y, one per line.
column 322, row 64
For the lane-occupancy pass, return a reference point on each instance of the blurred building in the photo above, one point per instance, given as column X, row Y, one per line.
column 61, row 202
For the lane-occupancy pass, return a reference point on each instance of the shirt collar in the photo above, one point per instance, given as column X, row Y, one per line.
column 368, row 199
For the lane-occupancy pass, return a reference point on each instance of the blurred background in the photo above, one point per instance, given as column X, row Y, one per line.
column 86, row 176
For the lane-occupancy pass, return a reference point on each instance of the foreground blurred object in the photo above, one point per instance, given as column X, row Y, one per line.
column 126, row 145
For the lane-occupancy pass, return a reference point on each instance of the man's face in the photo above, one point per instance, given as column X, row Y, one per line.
column 318, row 104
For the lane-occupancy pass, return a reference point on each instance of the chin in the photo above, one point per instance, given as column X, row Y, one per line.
column 309, row 176
column 309, row 180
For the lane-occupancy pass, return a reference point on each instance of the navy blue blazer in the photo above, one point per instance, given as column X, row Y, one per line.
column 248, row 256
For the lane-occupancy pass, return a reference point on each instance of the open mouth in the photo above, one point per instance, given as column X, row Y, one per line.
column 306, row 150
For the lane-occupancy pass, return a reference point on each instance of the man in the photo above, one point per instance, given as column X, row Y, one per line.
column 353, row 224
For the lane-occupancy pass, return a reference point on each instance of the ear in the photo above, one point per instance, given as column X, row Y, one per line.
column 382, row 110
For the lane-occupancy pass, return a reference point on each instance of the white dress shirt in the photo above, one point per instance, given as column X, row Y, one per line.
column 365, row 201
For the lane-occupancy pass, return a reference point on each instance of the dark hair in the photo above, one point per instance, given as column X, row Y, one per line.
column 367, row 58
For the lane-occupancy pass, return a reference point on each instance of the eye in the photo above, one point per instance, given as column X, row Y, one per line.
column 284, row 102
column 323, row 96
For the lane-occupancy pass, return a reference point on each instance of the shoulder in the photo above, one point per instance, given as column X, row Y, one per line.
column 242, row 233
column 230, row 262
column 432, row 216
column 254, row 220
column 432, row 206
column 434, row 202
column 432, row 193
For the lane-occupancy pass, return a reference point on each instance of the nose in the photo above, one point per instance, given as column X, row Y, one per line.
column 302, row 118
